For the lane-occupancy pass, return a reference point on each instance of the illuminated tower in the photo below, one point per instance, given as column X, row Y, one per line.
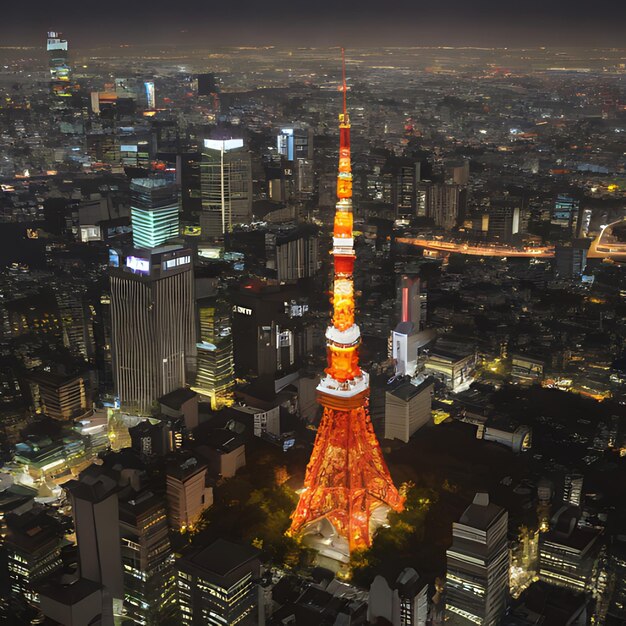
column 347, row 477
column 60, row 74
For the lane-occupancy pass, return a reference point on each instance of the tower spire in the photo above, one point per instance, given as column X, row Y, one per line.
column 347, row 477
column 344, row 85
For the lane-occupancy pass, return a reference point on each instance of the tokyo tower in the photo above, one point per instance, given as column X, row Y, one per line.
column 347, row 477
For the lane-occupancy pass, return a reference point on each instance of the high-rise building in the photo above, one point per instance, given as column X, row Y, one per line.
column 295, row 142
column 446, row 205
column 443, row 203
column 150, row 94
column 153, row 322
column 573, row 489
column 404, row 602
column 226, row 183
column 60, row 74
column 32, row 545
column 407, row 409
column 188, row 492
column 95, row 509
column 617, row 570
column 297, row 255
column 404, row 174
column 149, row 579
column 154, row 211
column 347, row 477
column 568, row 554
column 478, row 564
column 215, row 375
column 565, row 213
column 60, row 397
column 571, row 259
column 269, row 339
column 217, row 585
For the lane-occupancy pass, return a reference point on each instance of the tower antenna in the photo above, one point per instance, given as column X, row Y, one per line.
column 344, row 85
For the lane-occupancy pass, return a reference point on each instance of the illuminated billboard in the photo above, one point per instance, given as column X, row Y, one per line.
column 138, row 265
column 223, row 145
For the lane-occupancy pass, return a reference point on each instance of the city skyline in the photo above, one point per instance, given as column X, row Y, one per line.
column 258, row 367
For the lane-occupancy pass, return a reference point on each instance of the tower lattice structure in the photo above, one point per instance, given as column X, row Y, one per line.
column 347, row 477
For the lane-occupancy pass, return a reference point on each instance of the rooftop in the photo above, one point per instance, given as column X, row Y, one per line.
column 222, row 557
column 482, row 513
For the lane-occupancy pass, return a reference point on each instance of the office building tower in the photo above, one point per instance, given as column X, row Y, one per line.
column 217, row 585
column 504, row 220
column 403, row 173
column 295, row 142
column 76, row 319
column 150, row 94
column 347, row 477
column 565, row 213
column 215, row 376
column 407, row 409
column 60, row 75
column 61, row 397
column 95, row 510
column 296, row 255
column 617, row 570
column 149, row 578
column 573, row 489
column 188, row 492
column 571, row 259
column 478, row 564
column 154, row 212
column 188, row 180
column 305, row 177
column 446, row 204
column 568, row 554
column 153, row 324
column 226, row 184
column 32, row 546
column 270, row 340
column 404, row 602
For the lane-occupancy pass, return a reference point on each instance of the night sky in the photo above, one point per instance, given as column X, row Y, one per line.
column 318, row 22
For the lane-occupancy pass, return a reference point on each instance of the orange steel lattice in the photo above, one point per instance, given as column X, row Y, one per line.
column 347, row 477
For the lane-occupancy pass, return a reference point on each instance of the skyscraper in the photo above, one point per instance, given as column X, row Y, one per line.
column 215, row 376
column 153, row 322
column 446, row 205
column 295, row 142
column 347, row 477
column 95, row 511
column 226, row 183
column 217, row 585
column 478, row 564
column 32, row 542
column 149, row 579
column 60, row 74
column 154, row 211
